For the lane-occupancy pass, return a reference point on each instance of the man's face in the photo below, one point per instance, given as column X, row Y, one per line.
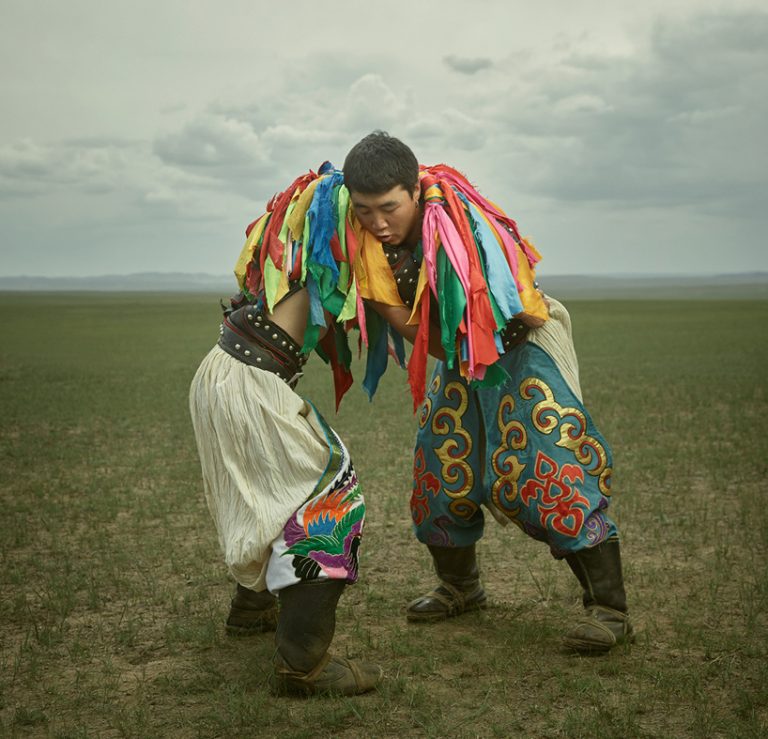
column 393, row 217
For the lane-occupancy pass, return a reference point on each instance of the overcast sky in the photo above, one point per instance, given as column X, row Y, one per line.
column 623, row 137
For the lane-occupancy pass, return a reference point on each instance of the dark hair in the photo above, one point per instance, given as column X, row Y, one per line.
column 380, row 162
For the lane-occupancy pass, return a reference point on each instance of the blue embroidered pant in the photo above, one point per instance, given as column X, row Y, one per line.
column 527, row 448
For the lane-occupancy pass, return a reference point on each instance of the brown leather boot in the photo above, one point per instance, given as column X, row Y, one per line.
column 605, row 623
column 459, row 589
column 251, row 612
column 302, row 663
column 332, row 675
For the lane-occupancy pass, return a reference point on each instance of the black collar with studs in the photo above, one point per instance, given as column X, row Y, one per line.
column 405, row 269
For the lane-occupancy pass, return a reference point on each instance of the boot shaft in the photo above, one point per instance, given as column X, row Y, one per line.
column 306, row 622
column 598, row 570
column 456, row 565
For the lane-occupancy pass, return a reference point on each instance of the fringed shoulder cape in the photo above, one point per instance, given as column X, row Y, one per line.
column 477, row 268
column 303, row 240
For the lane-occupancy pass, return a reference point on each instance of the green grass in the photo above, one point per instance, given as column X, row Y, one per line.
column 113, row 592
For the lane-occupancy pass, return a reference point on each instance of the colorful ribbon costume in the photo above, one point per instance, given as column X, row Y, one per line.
column 502, row 429
column 279, row 482
column 303, row 240
column 476, row 261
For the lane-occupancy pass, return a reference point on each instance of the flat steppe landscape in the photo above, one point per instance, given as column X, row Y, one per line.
column 113, row 594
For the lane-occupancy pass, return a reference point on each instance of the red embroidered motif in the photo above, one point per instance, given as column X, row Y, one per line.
column 424, row 482
column 558, row 502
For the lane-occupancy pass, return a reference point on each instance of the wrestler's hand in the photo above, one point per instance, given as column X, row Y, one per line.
column 534, row 321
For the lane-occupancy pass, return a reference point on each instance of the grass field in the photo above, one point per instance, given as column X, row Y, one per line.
column 113, row 594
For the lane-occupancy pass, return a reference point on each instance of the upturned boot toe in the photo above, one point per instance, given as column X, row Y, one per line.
column 446, row 601
column 332, row 676
column 599, row 631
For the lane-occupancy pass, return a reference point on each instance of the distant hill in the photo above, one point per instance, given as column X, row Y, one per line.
column 747, row 286
column 141, row 282
column 751, row 286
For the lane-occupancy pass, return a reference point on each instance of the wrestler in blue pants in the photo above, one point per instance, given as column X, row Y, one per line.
column 529, row 452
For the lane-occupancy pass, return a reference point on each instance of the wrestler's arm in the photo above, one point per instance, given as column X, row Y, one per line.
column 534, row 321
column 531, row 321
column 397, row 316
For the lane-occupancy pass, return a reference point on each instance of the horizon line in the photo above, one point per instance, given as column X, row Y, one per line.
column 225, row 276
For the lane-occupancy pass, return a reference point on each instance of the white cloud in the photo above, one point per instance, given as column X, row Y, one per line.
column 371, row 104
column 212, row 143
column 674, row 124
column 30, row 167
column 462, row 131
column 593, row 109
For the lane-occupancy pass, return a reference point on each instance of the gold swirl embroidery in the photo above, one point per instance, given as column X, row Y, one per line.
column 426, row 408
column 507, row 466
column 434, row 387
column 604, row 481
column 548, row 414
column 463, row 508
column 425, row 412
column 452, row 453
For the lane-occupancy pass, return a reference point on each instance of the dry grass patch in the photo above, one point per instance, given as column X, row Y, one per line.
column 114, row 596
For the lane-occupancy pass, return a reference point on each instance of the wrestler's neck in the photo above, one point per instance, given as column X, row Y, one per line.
column 413, row 238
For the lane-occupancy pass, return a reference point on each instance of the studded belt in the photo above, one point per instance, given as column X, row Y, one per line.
column 247, row 335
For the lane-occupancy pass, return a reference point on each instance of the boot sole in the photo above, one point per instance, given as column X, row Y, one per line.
column 435, row 616
column 248, row 630
column 288, row 685
column 585, row 647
